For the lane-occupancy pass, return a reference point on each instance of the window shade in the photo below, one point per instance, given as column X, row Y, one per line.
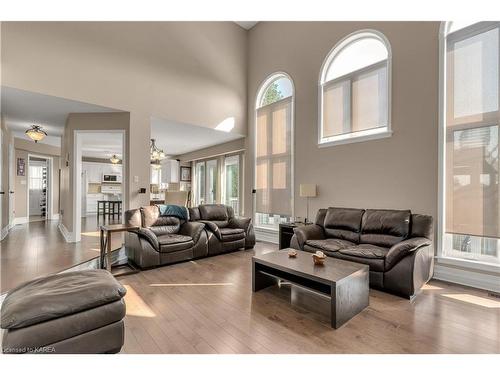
column 273, row 154
column 472, row 133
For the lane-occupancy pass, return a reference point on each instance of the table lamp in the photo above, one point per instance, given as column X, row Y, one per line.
column 307, row 191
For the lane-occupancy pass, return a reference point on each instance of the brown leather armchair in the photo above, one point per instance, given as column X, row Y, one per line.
column 225, row 232
column 396, row 244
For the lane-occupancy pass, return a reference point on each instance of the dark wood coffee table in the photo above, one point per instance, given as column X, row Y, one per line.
column 346, row 284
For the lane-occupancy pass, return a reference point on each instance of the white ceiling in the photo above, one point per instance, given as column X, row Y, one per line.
column 247, row 24
column 177, row 139
column 21, row 109
column 101, row 145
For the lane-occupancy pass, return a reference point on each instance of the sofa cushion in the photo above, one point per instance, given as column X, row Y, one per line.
column 55, row 296
column 213, row 212
column 385, row 227
column 174, row 242
column 343, row 223
column 149, row 215
column 231, row 234
column 421, row 226
column 328, row 244
column 352, row 255
column 166, row 225
column 366, row 251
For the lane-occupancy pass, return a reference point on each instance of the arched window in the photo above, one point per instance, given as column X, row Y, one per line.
column 354, row 90
column 469, row 136
column 274, row 151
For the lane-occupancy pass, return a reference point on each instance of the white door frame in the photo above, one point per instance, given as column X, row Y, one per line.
column 77, row 177
column 50, row 196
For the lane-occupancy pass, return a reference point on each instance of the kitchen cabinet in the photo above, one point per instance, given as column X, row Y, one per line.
column 170, row 171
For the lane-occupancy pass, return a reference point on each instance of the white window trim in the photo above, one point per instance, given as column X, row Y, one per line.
column 440, row 258
column 362, row 136
column 258, row 99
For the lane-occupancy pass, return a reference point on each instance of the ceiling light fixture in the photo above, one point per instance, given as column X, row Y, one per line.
column 114, row 159
column 36, row 133
column 155, row 154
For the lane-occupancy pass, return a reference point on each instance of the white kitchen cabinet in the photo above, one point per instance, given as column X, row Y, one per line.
column 170, row 171
column 92, row 202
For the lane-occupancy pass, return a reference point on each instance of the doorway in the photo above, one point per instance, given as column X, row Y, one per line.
column 99, row 181
column 39, row 197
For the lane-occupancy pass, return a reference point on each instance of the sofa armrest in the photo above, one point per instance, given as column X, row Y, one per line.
column 192, row 229
column 240, row 222
column 148, row 234
column 403, row 248
column 213, row 228
column 308, row 232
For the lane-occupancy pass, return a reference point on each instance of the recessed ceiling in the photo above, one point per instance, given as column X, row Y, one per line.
column 247, row 24
column 177, row 139
column 21, row 109
column 101, row 145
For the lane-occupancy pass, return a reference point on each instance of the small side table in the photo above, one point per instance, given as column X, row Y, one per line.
column 106, row 231
column 286, row 233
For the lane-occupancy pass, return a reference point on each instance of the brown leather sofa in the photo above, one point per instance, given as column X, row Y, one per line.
column 163, row 239
column 396, row 244
column 225, row 232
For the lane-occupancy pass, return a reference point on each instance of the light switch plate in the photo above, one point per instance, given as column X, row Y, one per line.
column 136, row 179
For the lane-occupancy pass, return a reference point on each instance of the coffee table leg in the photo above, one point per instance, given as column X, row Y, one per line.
column 349, row 297
column 261, row 280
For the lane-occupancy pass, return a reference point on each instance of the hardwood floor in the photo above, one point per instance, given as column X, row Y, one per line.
column 207, row 306
column 38, row 248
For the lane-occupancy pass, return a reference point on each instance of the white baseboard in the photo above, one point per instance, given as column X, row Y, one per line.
column 266, row 235
column 68, row 236
column 55, row 217
column 467, row 277
column 21, row 220
column 5, row 231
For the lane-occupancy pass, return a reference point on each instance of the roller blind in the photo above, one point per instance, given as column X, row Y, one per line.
column 356, row 102
column 472, row 131
column 273, row 158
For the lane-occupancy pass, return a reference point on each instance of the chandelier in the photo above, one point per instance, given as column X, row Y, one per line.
column 155, row 154
column 36, row 133
column 114, row 159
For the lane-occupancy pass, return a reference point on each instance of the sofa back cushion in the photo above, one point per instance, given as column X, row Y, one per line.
column 216, row 213
column 149, row 215
column 158, row 224
column 133, row 217
column 343, row 223
column 194, row 214
column 166, row 225
column 422, row 226
column 385, row 227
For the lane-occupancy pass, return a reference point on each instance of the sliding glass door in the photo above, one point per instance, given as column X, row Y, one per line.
column 206, row 181
column 231, row 191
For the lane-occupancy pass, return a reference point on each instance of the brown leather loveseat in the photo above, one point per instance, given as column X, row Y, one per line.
column 396, row 244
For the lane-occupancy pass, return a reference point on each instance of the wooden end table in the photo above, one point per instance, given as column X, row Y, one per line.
column 106, row 231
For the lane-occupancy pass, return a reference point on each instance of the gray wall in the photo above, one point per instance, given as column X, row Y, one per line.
column 397, row 172
column 187, row 72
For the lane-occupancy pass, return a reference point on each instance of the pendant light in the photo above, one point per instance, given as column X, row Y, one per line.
column 114, row 159
column 36, row 133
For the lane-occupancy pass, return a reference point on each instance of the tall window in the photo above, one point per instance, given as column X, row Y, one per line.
column 273, row 152
column 355, row 90
column 231, row 190
column 471, row 209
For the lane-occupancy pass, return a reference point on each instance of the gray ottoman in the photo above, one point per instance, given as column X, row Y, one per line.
column 74, row 312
